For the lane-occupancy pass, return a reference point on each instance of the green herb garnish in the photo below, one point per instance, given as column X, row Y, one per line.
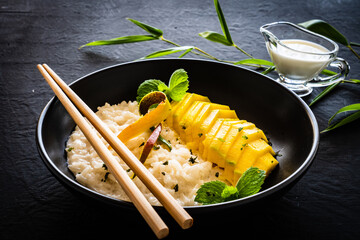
column 192, row 159
column 176, row 188
column 105, row 177
column 176, row 90
column 104, row 166
column 216, row 191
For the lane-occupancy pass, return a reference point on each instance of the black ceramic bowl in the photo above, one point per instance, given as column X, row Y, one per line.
column 284, row 117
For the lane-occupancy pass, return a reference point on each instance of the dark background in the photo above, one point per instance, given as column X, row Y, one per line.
column 324, row 204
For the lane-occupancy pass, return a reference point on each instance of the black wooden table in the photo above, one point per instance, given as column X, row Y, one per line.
column 324, row 204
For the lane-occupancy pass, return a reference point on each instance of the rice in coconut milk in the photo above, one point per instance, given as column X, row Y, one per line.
column 180, row 171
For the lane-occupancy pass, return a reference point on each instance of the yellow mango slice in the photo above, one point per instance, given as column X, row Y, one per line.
column 251, row 152
column 228, row 174
column 249, row 133
column 213, row 146
column 203, row 114
column 231, row 136
column 227, row 144
column 210, row 121
column 175, row 105
column 267, row 162
column 209, row 136
column 188, row 117
column 183, row 107
column 216, row 129
column 145, row 122
column 243, row 138
column 220, row 137
column 234, row 147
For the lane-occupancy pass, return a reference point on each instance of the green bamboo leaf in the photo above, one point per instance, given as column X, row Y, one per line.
column 357, row 81
column 222, row 21
column 324, row 93
column 215, row 37
column 325, row 29
column 352, row 107
column 269, row 70
column 122, row 40
column 346, row 120
column 150, row 29
column 255, row 62
column 328, row 72
column 186, row 52
column 168, row 51
column 355, row 44
column 352, row 81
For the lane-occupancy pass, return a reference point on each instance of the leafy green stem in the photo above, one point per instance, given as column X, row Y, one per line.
column 200, row 51
column 212, row 57
column 268, row 70
column 332, row 87
column 353, row 81
column 168, row 41
column 353, row 51
column 355, row 44
column 241, row 50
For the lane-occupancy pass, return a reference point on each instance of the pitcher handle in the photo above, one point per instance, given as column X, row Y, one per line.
column 342, row 68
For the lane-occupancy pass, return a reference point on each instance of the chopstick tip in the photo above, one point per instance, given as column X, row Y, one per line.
column 39, row 67
column 187, row 223
column 162, row 233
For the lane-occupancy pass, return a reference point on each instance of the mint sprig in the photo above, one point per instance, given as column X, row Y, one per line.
column 250, row 182
column 176, row 90
column 148, row 86
column 210, row 192
column 178, row 85
column 216, row 191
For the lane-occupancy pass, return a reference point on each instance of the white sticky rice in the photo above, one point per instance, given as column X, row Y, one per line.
column 180, row 171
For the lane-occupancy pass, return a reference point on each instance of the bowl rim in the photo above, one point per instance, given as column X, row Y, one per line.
column 104, row 198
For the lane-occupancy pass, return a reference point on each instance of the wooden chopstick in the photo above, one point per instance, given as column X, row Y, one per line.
column 135, row 195
column 170, row 204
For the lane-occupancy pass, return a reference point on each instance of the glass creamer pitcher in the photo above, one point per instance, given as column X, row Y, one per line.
column 300, row 56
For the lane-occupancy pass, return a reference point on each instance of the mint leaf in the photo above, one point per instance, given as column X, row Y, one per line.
column 216, row 191
column 250, row 182
column 178, row 85
column 211, row 192
column 230, row 193
column 150, row 86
